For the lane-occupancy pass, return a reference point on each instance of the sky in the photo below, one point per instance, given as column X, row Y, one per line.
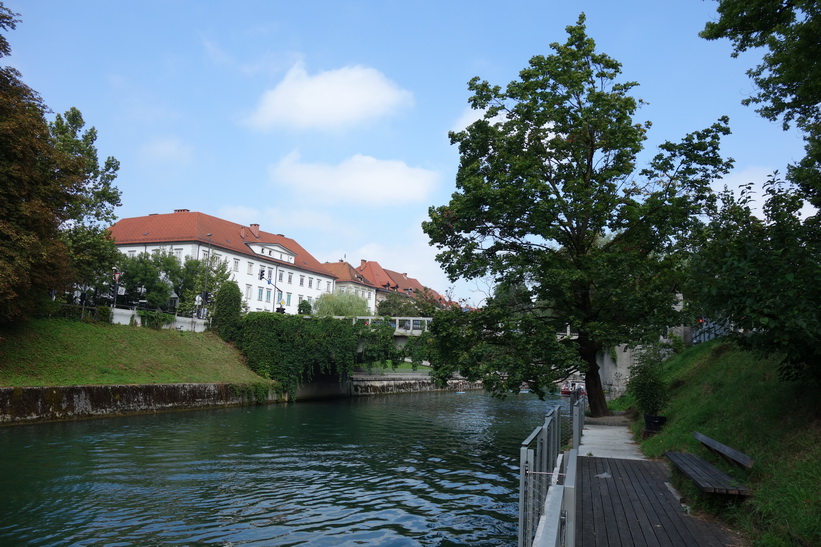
column 328, row 120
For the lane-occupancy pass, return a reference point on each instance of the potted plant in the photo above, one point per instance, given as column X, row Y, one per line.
column 649, row 388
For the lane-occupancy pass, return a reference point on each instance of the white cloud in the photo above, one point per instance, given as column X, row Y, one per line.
column 332, row 99
column 358, row 179
column 166, row 150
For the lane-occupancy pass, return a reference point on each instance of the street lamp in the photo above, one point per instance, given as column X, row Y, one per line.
column 207, row 268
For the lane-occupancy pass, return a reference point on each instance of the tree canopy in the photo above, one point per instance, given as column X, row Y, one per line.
column 549, row 200
column 340, row 305
column 789, row 75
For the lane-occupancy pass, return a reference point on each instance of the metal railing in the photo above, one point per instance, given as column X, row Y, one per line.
column 548, row 481
column 537, row 454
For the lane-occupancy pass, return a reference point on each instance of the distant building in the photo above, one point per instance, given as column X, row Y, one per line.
column 290, row 274
column 389, row 281
column 351, row 281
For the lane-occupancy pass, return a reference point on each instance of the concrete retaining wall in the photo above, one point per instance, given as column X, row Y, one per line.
column 30, row 404
column 403, row 383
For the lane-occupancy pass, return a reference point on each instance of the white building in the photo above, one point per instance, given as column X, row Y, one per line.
column 290, row 274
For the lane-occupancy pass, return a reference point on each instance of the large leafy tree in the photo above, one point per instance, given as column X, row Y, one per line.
column 549, row 200
column 36, row 182
column 761, row 273
column 789, row 75
column 398, row 305
column 91, row 209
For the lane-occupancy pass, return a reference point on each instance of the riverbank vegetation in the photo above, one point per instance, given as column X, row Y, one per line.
column 737, row 398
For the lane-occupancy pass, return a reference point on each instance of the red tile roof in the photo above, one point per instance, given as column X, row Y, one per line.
column 183, row 226
column 344, row 272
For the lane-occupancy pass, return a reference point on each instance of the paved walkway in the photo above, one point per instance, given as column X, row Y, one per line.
column 609, row 437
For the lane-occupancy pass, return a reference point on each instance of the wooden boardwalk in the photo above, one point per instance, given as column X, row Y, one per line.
column 626, row 502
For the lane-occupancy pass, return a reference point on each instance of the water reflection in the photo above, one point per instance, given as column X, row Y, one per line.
column 417, row 469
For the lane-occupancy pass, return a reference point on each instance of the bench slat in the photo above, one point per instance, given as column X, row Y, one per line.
column 706, row 477
column 730, row 454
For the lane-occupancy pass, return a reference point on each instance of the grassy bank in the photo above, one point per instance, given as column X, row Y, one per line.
column 63, row 352
column 736, row 398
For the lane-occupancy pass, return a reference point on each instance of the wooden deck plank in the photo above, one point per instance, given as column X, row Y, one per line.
column 636, row 503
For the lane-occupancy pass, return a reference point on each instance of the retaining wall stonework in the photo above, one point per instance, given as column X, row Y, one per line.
column 30, row 404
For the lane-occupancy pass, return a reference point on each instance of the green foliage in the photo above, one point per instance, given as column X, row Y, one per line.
column 291, row 349
column 340, row 305
column 646, row 384
column 734, row 397
column 35, row 183
column 398, row 305
column 197, row 276
column 304, row 308
column 549, row 200
column 789, row 76
column 227, row 312
column 154, row 319
column 764, row 277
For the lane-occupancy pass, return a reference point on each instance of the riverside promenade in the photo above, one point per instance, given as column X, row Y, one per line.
column 626, row 499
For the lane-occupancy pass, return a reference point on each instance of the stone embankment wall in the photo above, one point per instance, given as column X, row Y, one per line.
column 36, row 404
column 30, row 404
column 403, row 383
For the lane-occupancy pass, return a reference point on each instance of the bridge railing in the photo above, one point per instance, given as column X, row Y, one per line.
column 403, row 326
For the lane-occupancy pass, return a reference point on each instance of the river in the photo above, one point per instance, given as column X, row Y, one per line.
column 394, row 470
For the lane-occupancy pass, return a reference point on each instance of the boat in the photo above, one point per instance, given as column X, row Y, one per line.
column 571, row 387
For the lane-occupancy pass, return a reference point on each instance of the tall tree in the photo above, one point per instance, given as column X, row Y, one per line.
column 35, row 184
column 761, row 273
column 789, row 76
column 549, row 199
column 91, row 209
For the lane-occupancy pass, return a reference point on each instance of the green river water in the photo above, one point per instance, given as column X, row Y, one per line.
column 412, row 469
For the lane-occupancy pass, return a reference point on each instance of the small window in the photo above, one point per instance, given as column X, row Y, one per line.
column 281, row 273
column 248, row 292
column 270, row 273
column 259, row 294
column 236, row 264
column 310, row 282
column 267, row 295
column 287, row 299
column 290, row 278
column 279, row 297
column 301, row 280
column 250, row 268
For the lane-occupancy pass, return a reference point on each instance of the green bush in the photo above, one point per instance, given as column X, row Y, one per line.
column 227, row 311
column 154, row 319
column 646, row 384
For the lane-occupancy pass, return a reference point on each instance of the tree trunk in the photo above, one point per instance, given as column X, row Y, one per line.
column 593, row 385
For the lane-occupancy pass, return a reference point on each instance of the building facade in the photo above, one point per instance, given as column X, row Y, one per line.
column 271, row 270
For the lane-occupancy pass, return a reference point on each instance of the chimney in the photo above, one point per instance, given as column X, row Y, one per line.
column 362, row 263
column 181, row 211
column 255, row 230
column 242, row 232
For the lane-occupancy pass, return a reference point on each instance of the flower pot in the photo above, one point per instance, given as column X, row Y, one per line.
column 654, row 423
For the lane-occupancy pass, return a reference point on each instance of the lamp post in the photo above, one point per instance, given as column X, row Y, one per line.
column 207, row 268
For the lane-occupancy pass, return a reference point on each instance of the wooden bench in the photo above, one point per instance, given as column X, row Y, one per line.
column 707, row 477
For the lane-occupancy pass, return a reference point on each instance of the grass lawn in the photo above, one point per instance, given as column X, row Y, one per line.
column 63, row 352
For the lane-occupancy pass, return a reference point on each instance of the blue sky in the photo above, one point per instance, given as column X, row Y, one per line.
column 327, row 120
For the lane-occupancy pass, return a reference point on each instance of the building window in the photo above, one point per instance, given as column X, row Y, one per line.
column 178, row 255
column 270, row 273
column 250, row 268
column 204, row 255
column 300, row 299
column 310, row 282
column 236, row 264
column 301, row 280
column 267, row 295
column 287, row 299
column 328, row 286
column 290, row 278
column 310, row 300
column 247, row 292
column 281, row 273
column 259, row 294
column 132, row 254
column 279, row 297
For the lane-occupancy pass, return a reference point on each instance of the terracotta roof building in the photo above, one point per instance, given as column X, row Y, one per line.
column 351, row 281
column 290, row 273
